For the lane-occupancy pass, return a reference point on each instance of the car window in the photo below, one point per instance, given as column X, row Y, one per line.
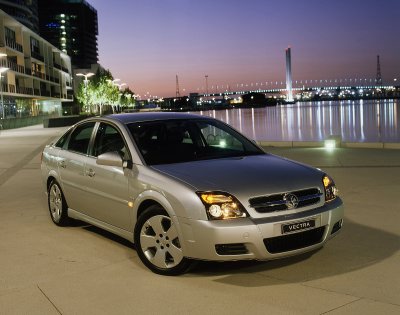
column 175, row 141
column 61, row 143
column 80, row 138
column 109, row 139
column 217, row 137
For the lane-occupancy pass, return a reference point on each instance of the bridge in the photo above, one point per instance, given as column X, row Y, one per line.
column 306, row 92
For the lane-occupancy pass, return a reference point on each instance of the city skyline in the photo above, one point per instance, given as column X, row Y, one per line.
column 146, row 44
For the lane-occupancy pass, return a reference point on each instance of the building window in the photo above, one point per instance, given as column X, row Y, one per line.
column 35, row 45
column 36, row 68
column 10, row 34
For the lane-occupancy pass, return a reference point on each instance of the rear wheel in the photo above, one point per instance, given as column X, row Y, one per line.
column 157, row 243
column 57, row 205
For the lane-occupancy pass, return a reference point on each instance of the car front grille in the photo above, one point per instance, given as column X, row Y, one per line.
column 294, row 241
column 277, row 202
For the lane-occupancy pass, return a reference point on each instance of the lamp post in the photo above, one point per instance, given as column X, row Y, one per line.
column 2, row 69
column 1, row 90
column 86, row 81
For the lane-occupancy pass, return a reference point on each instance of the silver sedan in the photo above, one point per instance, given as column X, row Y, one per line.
column 185, row 187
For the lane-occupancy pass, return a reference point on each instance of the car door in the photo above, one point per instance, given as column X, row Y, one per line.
column 71, row 166
column 107, row 186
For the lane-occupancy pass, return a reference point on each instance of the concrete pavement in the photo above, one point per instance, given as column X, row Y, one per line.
column 80, row 269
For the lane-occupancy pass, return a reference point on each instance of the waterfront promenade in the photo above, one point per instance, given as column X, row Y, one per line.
column 80, row 269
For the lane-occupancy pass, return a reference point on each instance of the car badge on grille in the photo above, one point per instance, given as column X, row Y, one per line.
column 291, row 201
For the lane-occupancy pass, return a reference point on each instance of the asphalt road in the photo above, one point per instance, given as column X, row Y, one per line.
column 45, row 269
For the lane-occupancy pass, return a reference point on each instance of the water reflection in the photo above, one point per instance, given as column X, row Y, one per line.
column 354, row 121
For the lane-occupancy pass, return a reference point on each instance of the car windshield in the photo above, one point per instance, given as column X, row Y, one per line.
column 175, row 141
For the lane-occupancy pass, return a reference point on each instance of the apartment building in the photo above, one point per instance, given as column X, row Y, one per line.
column 24, row 11
column 36, row 76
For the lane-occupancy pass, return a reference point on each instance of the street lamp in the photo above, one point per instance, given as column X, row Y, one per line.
column 120, row 85
column 86, row 81
column 113, row 82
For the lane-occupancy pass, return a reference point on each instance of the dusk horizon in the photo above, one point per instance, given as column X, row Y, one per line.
column 147, row 44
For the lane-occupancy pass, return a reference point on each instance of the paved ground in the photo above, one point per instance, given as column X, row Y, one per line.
column 45, row 269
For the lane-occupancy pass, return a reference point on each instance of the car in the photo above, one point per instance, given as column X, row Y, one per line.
column 185, row 187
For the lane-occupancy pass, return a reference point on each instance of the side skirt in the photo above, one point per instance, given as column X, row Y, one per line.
column 105, row 226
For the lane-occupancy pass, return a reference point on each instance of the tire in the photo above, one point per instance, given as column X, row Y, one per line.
column 57, row 206
column 157, row 243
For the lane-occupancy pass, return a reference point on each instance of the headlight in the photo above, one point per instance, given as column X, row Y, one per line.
column 221, row 206
column 331, row 191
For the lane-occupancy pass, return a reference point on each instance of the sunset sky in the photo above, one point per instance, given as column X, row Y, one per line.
column 146, row 43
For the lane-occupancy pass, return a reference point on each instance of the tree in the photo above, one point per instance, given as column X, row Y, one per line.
column 98, row 92
column 85, row 96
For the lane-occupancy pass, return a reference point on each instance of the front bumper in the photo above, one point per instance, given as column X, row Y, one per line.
column 260, row 239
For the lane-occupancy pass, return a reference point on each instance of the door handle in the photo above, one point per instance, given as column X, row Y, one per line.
column 62, row 164
column 90, row 173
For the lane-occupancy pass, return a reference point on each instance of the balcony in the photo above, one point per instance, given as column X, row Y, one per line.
column 38, row 75
column 45, row 93
column 24, row 90
column 37, row 56
column 16, row 67
column 57, row 66
column 11, row 88
column 13, row 44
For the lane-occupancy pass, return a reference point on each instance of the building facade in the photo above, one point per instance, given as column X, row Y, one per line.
column 24, row 11
column 36, row 76
column 72, row 26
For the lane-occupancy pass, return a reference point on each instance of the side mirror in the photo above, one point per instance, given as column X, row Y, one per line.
column 110, row 159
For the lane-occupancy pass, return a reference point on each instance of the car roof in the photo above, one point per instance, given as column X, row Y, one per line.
column 152, row 116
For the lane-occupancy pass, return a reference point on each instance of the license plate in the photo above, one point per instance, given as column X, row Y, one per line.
column 297, row 226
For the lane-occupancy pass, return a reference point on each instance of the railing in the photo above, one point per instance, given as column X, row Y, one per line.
column 13, row 44
column 37, row 56
column 16, row 67
column 57, row 66
column 45, row 93
column 24, row 90
column 38, row 75
column 11, row 88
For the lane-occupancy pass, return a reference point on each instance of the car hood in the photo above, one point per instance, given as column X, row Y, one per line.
column 245, row 176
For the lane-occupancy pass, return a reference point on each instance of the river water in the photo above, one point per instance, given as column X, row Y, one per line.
column 353, row 121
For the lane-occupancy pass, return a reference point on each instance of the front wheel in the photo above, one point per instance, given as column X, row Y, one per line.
column 157, row 243
column 57, row 205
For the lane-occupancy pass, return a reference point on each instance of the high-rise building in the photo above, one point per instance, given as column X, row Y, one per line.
column 24, row 11
column 71, row 25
